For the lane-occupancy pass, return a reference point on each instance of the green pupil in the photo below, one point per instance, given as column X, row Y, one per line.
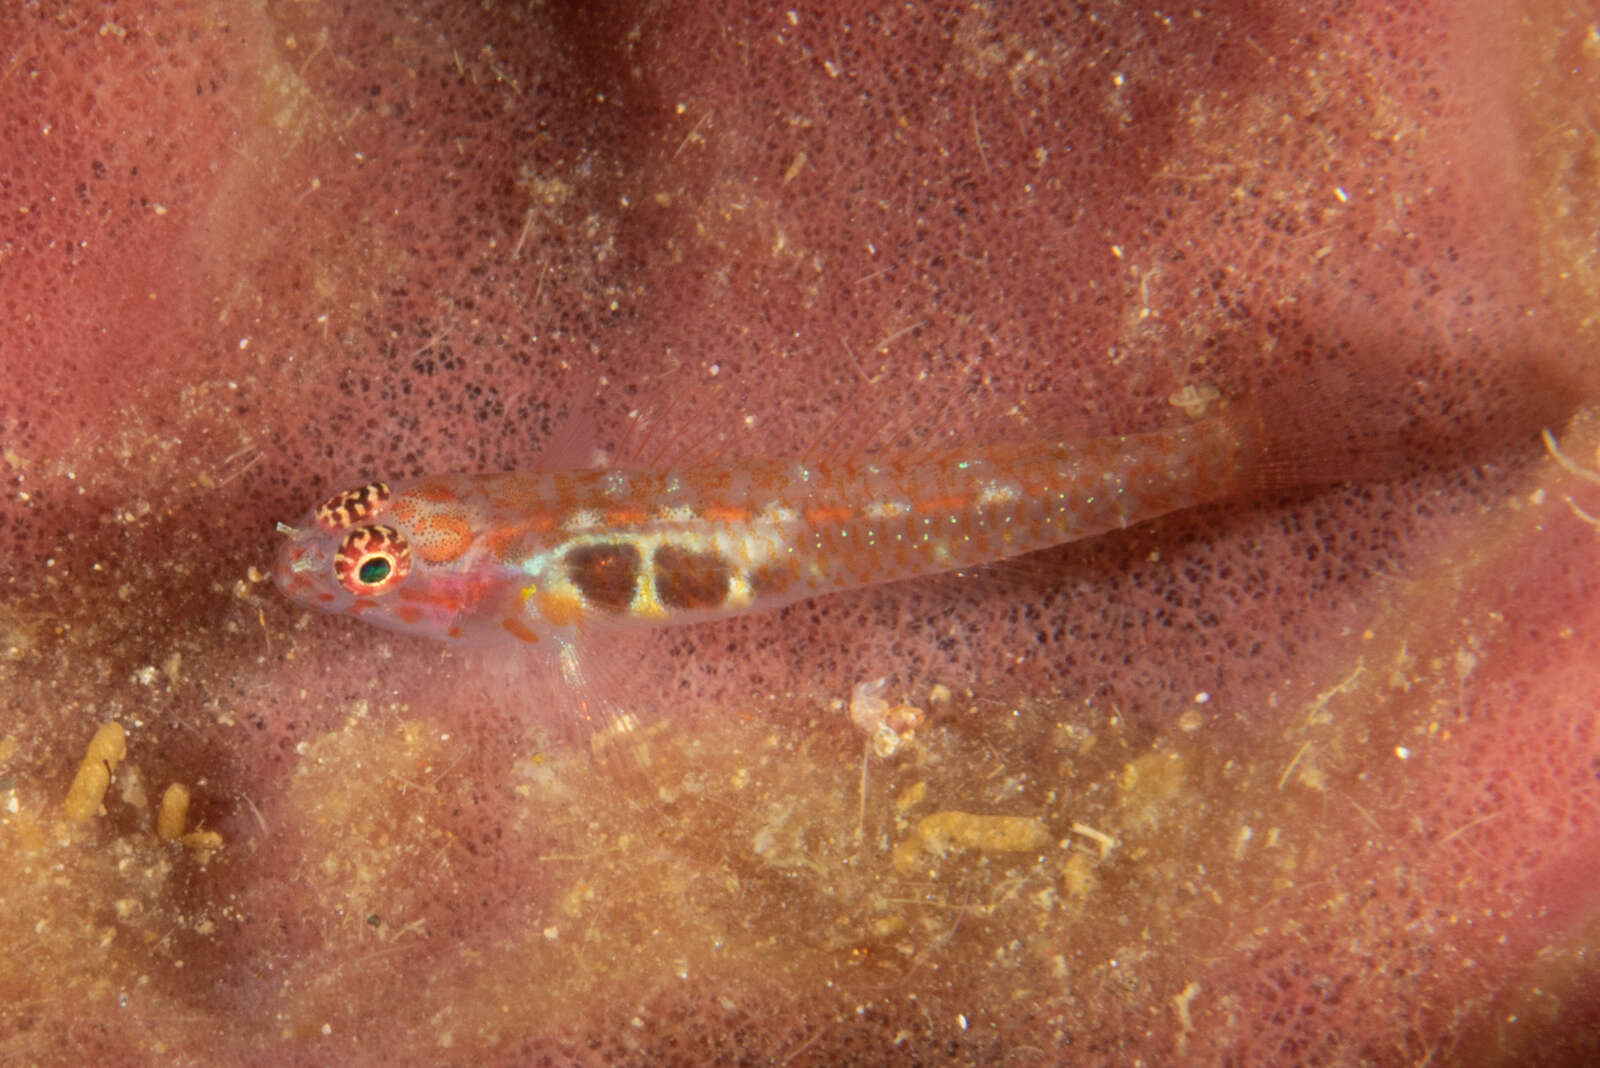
column 373, row 571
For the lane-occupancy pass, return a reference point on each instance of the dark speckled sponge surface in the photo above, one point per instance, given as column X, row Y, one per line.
column 1312, row 780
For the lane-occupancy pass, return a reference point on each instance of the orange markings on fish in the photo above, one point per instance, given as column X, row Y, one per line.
column 444, row 537
column 834, row 514
column 518, row 628
column 501, row 539
column 423, row 595
column 559, row 609
column 936, row 505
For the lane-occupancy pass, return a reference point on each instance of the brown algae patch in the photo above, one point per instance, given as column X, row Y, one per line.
column 798, row 864
column 376, row 803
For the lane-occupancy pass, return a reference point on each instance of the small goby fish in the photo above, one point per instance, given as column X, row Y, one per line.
column 480, row 559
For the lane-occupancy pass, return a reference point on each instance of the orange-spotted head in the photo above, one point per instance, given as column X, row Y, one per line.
column 403, row 557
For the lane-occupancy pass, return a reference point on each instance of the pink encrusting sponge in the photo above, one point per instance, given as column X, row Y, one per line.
column 1303, row 775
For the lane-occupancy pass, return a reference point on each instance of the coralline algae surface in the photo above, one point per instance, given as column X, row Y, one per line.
column 1310, row 781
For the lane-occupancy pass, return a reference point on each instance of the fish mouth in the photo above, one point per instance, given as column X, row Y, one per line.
column 295, row 560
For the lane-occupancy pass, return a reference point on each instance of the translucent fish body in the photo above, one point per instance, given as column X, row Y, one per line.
column 535, row 557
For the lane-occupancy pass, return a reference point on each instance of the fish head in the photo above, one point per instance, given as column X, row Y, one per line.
column 397, row 557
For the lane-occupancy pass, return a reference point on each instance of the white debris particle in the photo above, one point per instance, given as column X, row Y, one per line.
column 889, row 728
column 1194, row 398
column 1100, row 838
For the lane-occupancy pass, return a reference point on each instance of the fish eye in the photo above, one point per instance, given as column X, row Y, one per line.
column 372, row 560
column 373, row 570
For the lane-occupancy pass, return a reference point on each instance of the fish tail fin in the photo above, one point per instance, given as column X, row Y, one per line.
column 1347, row 425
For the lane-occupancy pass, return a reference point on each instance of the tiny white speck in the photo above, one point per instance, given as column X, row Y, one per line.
column 1402, row 752
column 244, row 343
column 1344, row 198
column 962, row 1020
column 1202, row 698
